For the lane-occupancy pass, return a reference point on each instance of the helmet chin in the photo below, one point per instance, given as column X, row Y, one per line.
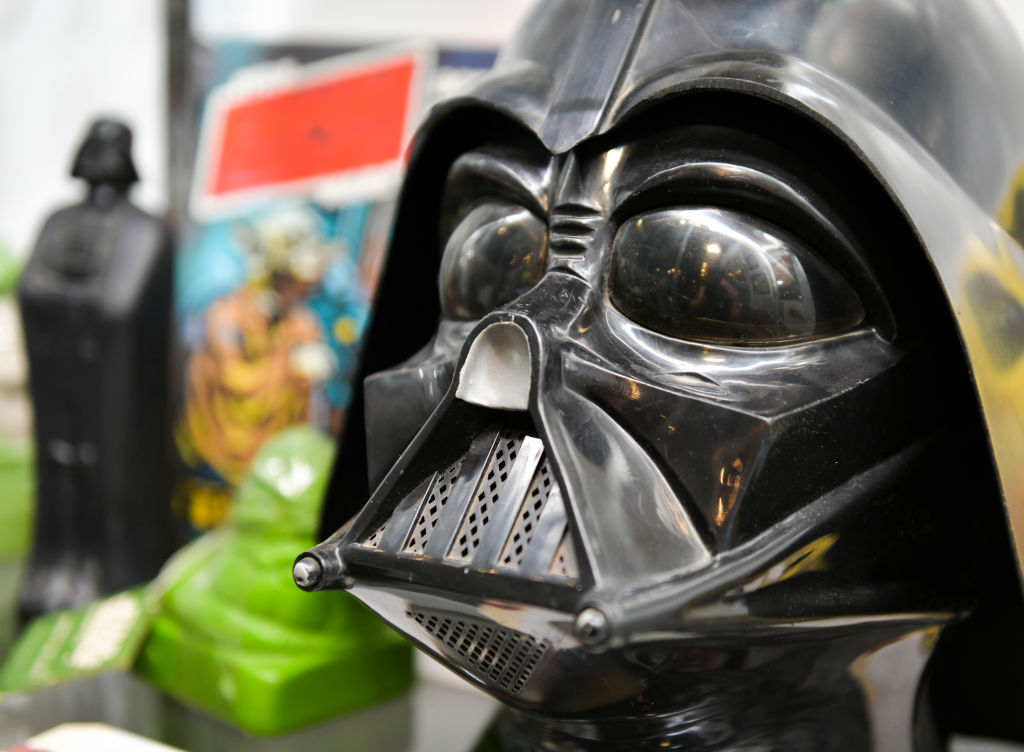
column 469, row 549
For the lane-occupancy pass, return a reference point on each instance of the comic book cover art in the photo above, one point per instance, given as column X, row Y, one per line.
column 275, row 281
column 272, row 306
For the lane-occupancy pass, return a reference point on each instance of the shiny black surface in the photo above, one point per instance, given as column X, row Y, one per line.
column 95, row 304
column 497, row 253
column 709, row 275
column 773, row 485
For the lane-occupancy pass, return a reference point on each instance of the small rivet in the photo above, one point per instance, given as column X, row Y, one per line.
column 592, row 627
column 307, row 573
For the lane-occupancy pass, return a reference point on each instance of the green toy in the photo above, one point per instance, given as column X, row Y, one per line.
column 10, row 270
column 236, row 637
column 16, row 483
column 16, row 493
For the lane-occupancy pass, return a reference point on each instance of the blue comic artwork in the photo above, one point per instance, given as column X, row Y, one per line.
column 272, row 306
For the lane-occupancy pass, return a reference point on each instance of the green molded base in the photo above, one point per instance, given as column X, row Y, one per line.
column 235, row 637
column 17, row 490
column 266, row 693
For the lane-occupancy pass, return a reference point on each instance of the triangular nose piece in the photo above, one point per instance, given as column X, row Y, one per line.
column 497, row 370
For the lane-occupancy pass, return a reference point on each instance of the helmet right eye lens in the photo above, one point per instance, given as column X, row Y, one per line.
column 495, row 254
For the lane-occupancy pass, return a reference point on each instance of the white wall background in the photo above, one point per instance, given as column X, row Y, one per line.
column 63, row 62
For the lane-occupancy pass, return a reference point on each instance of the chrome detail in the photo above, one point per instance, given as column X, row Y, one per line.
column 497, row 370
column 431, row 511
column 564, row 562
column 373, row 540
column 501, row 657
column 307, row 572
column 592, row 627
column 479, row 514
column 529, row 516
column 498, row 508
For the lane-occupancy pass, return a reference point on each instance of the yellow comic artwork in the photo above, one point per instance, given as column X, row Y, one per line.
column 989, row 296
column 272, row 346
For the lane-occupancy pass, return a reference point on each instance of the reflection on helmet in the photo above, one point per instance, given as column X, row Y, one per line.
column 715, row 276
column 692, row 458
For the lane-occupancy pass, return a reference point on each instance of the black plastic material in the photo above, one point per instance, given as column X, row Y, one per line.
column 95, row 302
column 724, row 487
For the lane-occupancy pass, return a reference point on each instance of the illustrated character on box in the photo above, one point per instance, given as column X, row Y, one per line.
column 275, row 350
column 249, row 379
column 694, row 457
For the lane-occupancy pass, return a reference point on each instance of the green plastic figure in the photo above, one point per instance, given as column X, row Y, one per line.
column 10, row 270
column 17, row 484
column 235, row 637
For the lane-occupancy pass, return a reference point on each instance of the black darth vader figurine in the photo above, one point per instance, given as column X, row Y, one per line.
column 95, row 302
column 700, row 452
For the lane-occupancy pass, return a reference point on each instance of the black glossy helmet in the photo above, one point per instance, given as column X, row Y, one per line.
column 693, row 456
column 106, row 155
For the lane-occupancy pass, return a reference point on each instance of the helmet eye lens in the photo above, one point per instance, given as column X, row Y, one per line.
column 724, row 277
column 495, row 254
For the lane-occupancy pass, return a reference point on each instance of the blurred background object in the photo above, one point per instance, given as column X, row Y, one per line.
column 15, row 415
column 95, row 303
column 16, row 476
column 299, row 152
column 234, row 637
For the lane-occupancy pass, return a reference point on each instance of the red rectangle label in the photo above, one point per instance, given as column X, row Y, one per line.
column 337, row 128
column 331, row 127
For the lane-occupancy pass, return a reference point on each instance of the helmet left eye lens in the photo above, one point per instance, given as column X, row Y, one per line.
column 495, row 254
column 718, row 276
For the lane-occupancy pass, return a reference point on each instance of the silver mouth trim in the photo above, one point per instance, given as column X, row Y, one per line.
column 500, row 657
column 498, row 508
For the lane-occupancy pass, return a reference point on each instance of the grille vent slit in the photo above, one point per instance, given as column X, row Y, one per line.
column 529, row 514
column 467, row 540
column 431, row 511
column 503, row 657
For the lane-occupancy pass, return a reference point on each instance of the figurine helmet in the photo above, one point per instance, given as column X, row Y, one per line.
column 721, row 292
column 106, row 155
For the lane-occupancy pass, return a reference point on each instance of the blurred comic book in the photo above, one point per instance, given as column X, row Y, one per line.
column 299, row 154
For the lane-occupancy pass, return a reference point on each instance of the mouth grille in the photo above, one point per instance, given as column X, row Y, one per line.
column 564, row 563
column 440, row 490
column 497, row 508
column 468, row 539
column 533, row 505
column 373, row 540
column 505, row 658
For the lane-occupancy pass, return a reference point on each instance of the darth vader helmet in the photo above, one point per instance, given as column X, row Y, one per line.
column 694, row 455
column 106, row 155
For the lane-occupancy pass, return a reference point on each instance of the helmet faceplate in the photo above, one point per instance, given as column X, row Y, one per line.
column 671, row 453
